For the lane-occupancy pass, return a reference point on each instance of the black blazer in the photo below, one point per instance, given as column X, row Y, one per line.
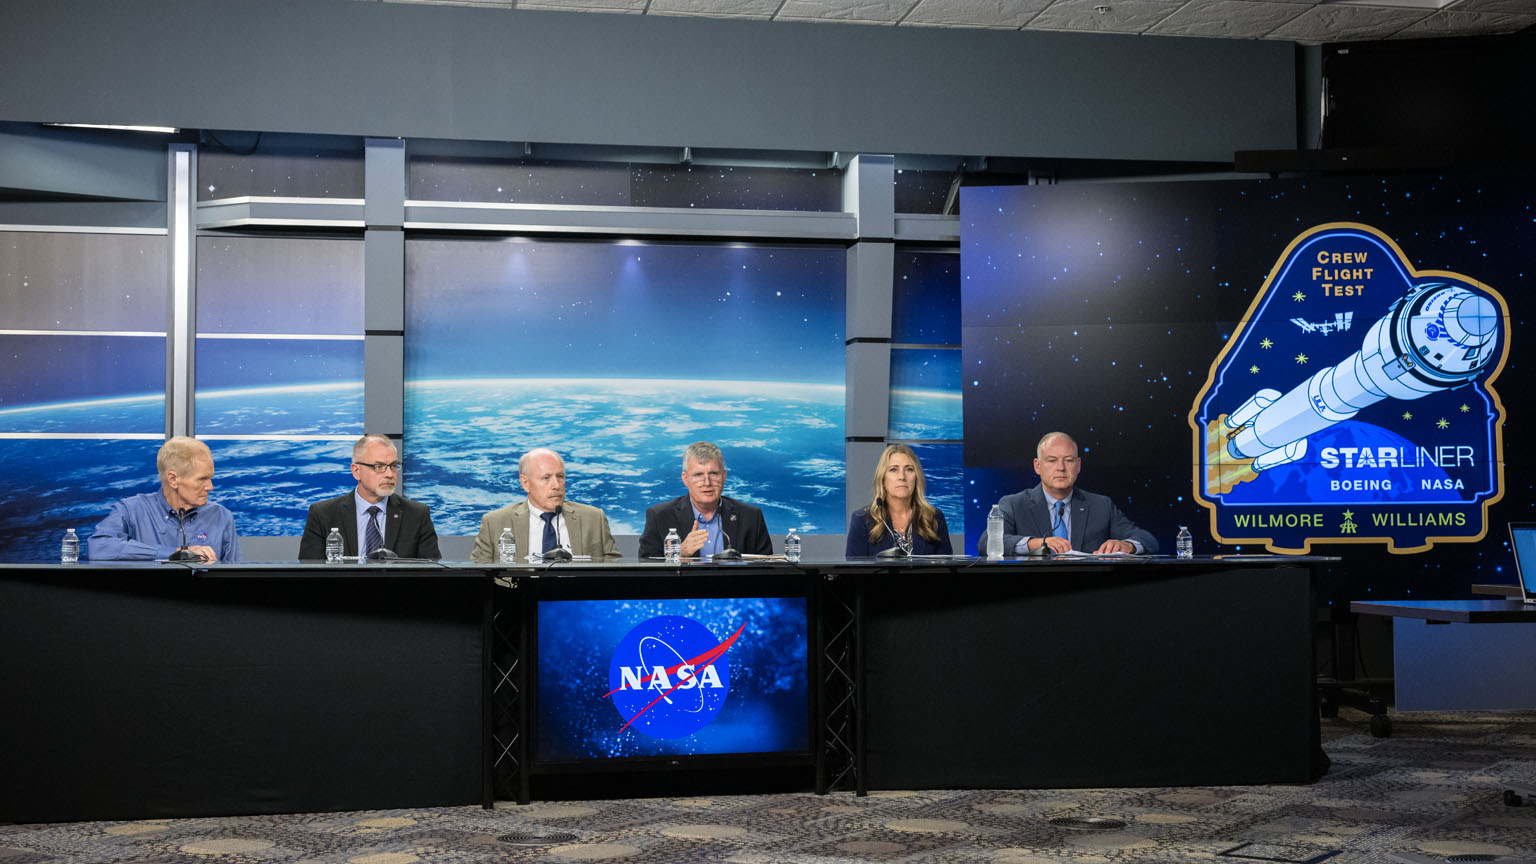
column 858, row 545
column 408, row 530
column 743, row 523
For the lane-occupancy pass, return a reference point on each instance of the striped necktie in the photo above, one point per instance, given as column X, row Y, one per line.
column 372, row 540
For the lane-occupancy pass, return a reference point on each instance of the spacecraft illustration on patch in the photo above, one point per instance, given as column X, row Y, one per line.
column 1434, row 338
column 1354, row 402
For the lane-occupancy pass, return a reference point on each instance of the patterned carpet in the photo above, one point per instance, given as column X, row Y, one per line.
column 1432, row 792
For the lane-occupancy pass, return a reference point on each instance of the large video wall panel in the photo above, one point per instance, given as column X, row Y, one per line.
column 82, row 388
column 1319, row 364
column 925, row 391
column 618, row 355
column 279, row 371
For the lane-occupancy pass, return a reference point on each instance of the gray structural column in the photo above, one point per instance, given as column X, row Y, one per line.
column 181, row 341
column 384, row 287
column 869, row 192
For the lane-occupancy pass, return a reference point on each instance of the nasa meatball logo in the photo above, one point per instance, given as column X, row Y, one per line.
column 669, row 676
column 1355, row 402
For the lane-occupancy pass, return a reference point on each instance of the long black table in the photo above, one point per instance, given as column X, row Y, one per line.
column 1014, row 673
column 137, row 692
column 1080, row 674
column 163, row 690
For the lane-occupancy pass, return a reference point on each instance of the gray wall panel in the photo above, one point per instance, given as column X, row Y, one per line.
column 95, row 164
column 388, row 69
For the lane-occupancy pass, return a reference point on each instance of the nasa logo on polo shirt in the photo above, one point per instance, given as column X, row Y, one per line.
column 669, row 676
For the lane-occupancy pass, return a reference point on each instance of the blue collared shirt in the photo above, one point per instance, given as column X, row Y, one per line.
column 1022, row 547
column 142, row 528
column 360, row 508
column 712, row 526
column 1066, row 518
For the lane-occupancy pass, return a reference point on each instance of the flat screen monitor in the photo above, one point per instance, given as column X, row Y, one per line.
column 653, row 680
column 1522, row 538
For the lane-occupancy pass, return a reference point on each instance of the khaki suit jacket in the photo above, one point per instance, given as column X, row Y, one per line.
column 586, row 525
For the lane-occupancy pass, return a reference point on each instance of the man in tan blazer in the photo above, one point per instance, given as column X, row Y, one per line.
column 546, row 519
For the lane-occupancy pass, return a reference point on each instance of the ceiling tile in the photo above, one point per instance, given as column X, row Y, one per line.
column 1334, row 23
column 1304, row 21
column 868, row 11
column 720, row 8
column 1515, row 7
column 636, row 6
column 1231, row 19
column 504, row 4
column 1122, row 16
column 975, row 13
column 1452, row 23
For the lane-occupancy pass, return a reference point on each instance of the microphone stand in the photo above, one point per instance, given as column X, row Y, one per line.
column 183, row 554
column 897, row 551
column 729, row 553
column 559, row 553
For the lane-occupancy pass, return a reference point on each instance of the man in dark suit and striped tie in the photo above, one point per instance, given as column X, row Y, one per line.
column 373, row 511
column 1060, row 516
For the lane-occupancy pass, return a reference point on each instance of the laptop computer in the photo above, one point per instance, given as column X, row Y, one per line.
column 1522, row 537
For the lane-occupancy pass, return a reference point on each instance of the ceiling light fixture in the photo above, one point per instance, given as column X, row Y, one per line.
column 168, row 130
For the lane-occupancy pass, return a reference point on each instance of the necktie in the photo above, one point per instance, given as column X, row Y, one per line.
column 1060, row 526
column 551, row 537
column 372, row 540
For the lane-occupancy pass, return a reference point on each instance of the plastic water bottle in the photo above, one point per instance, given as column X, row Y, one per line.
column 69, row 552
column 1185, row 544
column 995, row 532
column 673, row 547
column 791, row 546
column 506, row 547
column 334, row 546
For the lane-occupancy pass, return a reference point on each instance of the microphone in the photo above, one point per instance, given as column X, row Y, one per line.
column 729, row 553
column 899, row 550
column 559, row 553
column 182, row 554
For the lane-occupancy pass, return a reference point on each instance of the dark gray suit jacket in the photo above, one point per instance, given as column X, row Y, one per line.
column 408, row 529
column 1095, row 519
column 743, row 523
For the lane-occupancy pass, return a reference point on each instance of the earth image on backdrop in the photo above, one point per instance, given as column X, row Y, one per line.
column 622, row 441
column 621, row 438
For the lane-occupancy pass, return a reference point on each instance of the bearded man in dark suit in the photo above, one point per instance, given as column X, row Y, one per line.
column 374, row 511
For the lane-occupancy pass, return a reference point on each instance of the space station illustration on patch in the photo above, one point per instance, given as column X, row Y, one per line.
column 1355, row 402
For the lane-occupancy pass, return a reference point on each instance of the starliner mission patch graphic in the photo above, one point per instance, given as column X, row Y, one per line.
column 1355, row 402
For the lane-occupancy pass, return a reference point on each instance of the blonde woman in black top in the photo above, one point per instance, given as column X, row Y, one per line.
column 899, row 517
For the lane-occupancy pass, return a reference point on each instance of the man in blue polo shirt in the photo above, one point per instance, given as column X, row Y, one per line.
column 151, row 526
